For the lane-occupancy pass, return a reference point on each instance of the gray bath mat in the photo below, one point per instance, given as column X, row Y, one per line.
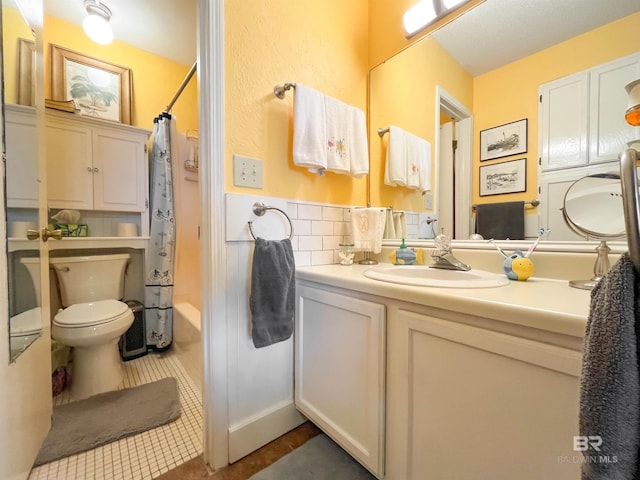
column 104, row 418
column 318, row 459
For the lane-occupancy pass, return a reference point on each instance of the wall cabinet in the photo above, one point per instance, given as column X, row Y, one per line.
column 581, row 117
column 95, row 165
column 339, row 370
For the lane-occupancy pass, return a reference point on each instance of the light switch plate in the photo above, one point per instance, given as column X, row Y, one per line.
column 428, row 201
column 247, row 172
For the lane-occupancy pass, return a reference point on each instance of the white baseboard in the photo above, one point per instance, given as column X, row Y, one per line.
column 261, row 429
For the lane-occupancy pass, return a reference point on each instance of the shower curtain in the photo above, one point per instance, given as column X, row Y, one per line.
column 161, row 252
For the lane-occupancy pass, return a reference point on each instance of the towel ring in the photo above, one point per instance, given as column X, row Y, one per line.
column 260, row 209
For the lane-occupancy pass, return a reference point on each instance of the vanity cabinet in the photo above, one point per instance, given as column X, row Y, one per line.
column 340, row 370
column 21, row 156
column 581, row 116
column 95, row 165
column 466, row 403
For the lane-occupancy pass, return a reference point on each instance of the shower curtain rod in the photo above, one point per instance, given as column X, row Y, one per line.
column 182, row 86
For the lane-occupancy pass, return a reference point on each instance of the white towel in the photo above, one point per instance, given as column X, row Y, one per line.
column 414, row 160
column 359, row 145
column 400, row 224
column 309, row 129
column 389, row 227
column 338, row 131
column 425, row 169
column 367, row 228
column 395, row 172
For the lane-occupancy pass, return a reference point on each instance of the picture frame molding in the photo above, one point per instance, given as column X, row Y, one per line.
column 59, row 57
column 522, row 127
column 486, row 170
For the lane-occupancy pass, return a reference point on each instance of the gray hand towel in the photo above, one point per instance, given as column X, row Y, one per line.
column 609, row 390
column 500, row 221
column 272, row 299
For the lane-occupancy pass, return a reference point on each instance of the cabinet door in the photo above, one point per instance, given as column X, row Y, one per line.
column 608, row 130
column 339, row 370
column 69, row 166
column 22, row 157
column 466, row 403
column 119, row 166
column 564, row 122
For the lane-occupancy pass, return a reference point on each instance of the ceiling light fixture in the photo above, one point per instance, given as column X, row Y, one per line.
column 426, row 12
column 96, row 23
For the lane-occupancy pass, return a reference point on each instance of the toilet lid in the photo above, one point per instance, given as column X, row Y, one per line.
column 93, row 313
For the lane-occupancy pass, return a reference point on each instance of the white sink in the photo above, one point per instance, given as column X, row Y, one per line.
column 425, row 276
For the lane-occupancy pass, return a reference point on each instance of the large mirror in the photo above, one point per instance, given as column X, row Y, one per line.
column 481, row 74
column 18, row 49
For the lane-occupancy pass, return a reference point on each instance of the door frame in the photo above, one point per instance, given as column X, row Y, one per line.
column 463, row 160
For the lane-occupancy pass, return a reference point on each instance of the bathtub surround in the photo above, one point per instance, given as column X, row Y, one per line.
column 80, row 426
column 161, row 251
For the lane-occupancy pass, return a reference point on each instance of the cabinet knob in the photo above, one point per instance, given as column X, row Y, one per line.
column 46, row 234
column 95, row 170
column 89, row 169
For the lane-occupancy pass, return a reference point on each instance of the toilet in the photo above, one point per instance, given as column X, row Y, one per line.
column 92, row 319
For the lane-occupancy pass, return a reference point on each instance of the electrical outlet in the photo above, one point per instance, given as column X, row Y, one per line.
column 247, row 172
column 428, row 201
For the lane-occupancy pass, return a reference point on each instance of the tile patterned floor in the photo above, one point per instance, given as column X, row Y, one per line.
column 149, row 454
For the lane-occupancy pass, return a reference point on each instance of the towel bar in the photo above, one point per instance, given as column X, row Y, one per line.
column 382, row 131
column 631, row 203
column 279, row 90
column 260, row 209
column 533, row 203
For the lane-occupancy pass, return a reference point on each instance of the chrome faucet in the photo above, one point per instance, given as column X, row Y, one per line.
column 442, row 256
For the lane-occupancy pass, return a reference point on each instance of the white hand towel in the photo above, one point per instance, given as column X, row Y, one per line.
column 339, row 127
column 359, row 145
column 309, row 129
column 400, row 224
column 395, row 172
column 425, row 169
column 389, row 228
column 414, row 162
column 367, row 228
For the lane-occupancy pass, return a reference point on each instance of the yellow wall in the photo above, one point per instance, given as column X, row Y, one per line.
column 511, row 93
column 403, row 93
column 14, row 27
column 321, row 44
column 155, row 79
column 386, row 31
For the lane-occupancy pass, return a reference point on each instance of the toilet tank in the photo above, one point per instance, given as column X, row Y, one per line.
column 90, row 278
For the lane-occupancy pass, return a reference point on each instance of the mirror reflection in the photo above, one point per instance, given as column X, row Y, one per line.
column 25, row 323
column 566, row 76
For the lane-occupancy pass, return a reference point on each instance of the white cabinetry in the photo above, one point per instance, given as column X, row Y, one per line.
column 339, row 370
column 467, row 403
column 95, row 165
column 21, row 156
column 581, row 117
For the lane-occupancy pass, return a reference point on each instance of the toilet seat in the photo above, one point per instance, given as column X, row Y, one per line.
column 92, row 313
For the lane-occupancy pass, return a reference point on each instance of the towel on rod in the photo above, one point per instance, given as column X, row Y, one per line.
column 309, row 129
column 609, row 385
column 395, row 171
column 338, row 131
column 272, row 299
column 359, row 144
column 500, row 221
column 367, row 228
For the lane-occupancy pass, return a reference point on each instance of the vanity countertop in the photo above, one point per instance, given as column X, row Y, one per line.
column 540, row 303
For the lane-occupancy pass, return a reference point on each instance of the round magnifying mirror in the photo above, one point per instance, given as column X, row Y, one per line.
column 593, row 208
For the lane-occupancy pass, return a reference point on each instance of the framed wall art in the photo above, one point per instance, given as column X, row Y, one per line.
column 503, row 177
column 26, row 68
column 504, row 140
column 99, row 89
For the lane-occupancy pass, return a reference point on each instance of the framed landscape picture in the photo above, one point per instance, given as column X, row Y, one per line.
column 504, row 140
column 99, row 89
column 503, row 177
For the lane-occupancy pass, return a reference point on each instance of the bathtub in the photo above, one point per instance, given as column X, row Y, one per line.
column 187, row 340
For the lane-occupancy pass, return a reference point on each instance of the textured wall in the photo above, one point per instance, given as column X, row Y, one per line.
column 321, row 44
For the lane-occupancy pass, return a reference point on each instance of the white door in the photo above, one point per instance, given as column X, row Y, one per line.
column 25, row 396
column 446, row 180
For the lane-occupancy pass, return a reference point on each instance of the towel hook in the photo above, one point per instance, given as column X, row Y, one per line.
column 260, row 209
